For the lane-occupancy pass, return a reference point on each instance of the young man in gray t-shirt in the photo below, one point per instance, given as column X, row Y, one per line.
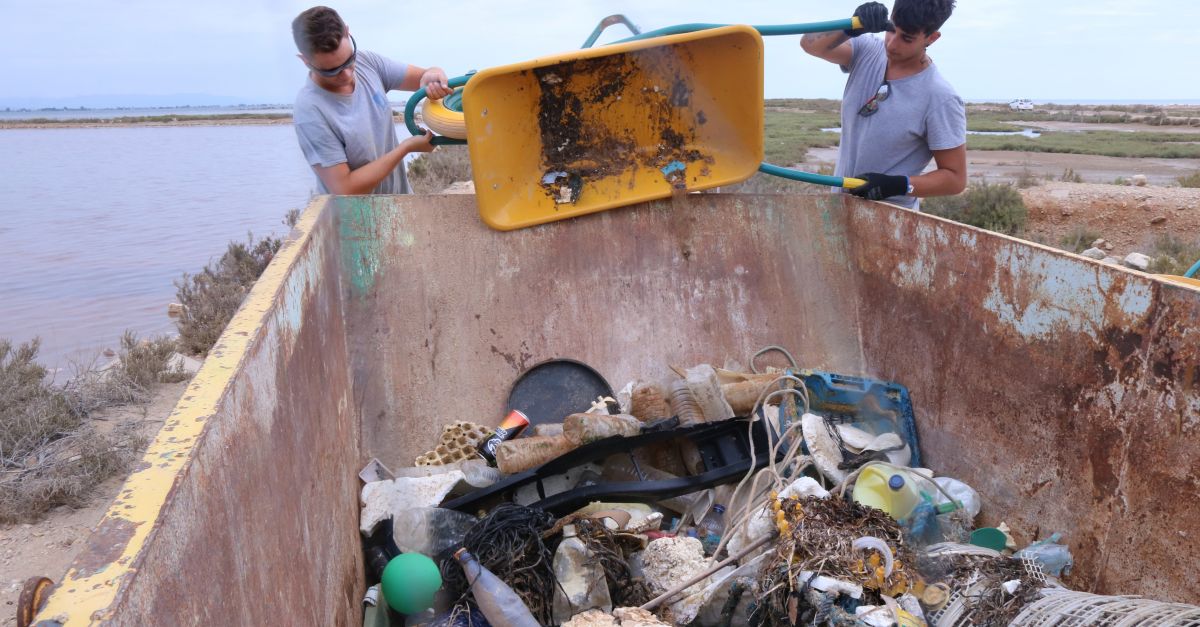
column 897, row 110
column 342, row 115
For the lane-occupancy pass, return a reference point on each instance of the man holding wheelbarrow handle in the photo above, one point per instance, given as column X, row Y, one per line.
column 898, row 112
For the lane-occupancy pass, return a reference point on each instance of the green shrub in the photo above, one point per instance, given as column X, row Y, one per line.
column 1190, row 180
column 50, row 454
column 1070, row 176
column 212, row 296
column 993, row 206
column 1027, row 178
column 433, row 172
column 1173, row 255
column 1079, row 239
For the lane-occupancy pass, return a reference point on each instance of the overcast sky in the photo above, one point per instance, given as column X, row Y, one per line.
column 991, row 49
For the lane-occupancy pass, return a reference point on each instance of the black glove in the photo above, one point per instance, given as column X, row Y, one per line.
column 880, row 186
column 874, row 18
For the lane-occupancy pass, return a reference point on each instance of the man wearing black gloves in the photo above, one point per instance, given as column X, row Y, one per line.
column 897, row 110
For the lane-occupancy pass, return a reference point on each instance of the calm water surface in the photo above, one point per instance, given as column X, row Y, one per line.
column 96, row 223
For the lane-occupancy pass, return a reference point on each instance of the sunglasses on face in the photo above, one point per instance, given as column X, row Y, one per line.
column 872, row 105
column 338, row 70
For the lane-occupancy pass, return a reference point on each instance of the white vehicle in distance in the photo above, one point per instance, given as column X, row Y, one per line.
column 1021, row 104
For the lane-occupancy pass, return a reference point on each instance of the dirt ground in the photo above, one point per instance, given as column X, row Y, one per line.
column 48, row 547
column 999, row 165
column 1051, row 125
column 1129, row 218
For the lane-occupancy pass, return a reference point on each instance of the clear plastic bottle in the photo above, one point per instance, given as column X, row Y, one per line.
column 684, row 405
column 711, row 527
column 714, row 521
column 500, row 605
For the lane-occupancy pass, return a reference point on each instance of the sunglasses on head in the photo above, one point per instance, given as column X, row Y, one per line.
column 872, row 105
column 338, row 70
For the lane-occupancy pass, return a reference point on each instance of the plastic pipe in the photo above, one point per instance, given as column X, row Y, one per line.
column 809, row 177
column 411, row 108
column 1191, row 273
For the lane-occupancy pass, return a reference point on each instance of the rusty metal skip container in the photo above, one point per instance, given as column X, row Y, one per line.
column 1066, row 391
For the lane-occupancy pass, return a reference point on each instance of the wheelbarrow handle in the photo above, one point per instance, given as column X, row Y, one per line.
column 809, row 177
column 410, row 110
column 766, row 31
column 782, row 29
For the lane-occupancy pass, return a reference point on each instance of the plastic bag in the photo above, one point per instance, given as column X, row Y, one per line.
column 431, row 531
column 1055, row 558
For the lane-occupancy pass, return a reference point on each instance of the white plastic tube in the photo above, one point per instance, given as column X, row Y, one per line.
column 869, row 542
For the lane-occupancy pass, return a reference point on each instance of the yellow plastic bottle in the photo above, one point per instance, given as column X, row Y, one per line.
column 889, row 488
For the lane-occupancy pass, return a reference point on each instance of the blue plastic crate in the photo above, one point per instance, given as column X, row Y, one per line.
column 872, row 405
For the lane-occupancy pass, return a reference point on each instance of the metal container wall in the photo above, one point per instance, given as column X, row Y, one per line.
column 244, row 509
column 1066, row 391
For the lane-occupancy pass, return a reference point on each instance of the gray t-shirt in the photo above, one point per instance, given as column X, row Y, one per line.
column 352, row 128
column 921, row 114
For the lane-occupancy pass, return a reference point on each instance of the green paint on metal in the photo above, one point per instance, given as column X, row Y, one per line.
column 833, row 229
column 359, row 230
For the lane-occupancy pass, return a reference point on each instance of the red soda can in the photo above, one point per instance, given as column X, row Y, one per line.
column 513, row 423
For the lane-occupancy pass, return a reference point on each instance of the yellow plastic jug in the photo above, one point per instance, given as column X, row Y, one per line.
column 889, row 488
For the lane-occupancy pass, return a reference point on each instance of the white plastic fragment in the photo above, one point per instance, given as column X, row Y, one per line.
column 380, row 498
column 831, row 586
column 875, row 615
column 826, row 453
column 869, row 542
column 961, row 492
column 911, row 604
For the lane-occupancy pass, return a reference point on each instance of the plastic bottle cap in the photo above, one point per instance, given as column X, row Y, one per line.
column 410, row 582
column 896, row 482
column 718, row 508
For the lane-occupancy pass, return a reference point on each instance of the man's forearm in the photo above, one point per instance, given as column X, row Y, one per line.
column 363, row 180
column 823, row 42
column 940, row 182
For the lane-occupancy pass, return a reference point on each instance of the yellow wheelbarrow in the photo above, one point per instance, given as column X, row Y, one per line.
column 666, row 112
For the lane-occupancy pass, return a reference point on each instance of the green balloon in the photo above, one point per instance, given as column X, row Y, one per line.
column 410, row 582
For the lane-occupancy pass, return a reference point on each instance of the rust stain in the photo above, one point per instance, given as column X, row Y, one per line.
column 104, row 546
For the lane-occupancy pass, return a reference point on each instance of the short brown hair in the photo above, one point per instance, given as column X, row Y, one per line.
column 319, row 29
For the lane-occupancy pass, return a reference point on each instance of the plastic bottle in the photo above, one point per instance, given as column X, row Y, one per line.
column 711, row 527
column 499, row 604
column 683, row 404
column 479, row 474
column 581, row 582
column 432, row 531
column 889, row 488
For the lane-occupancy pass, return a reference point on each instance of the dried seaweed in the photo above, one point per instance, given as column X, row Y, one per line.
column 509, row 543
column 817, row 536
column 978, row 580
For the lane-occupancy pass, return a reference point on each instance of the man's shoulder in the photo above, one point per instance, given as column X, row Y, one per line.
column 867, row 46
column 309, row 97
column 940, row 91
column 374, row 61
